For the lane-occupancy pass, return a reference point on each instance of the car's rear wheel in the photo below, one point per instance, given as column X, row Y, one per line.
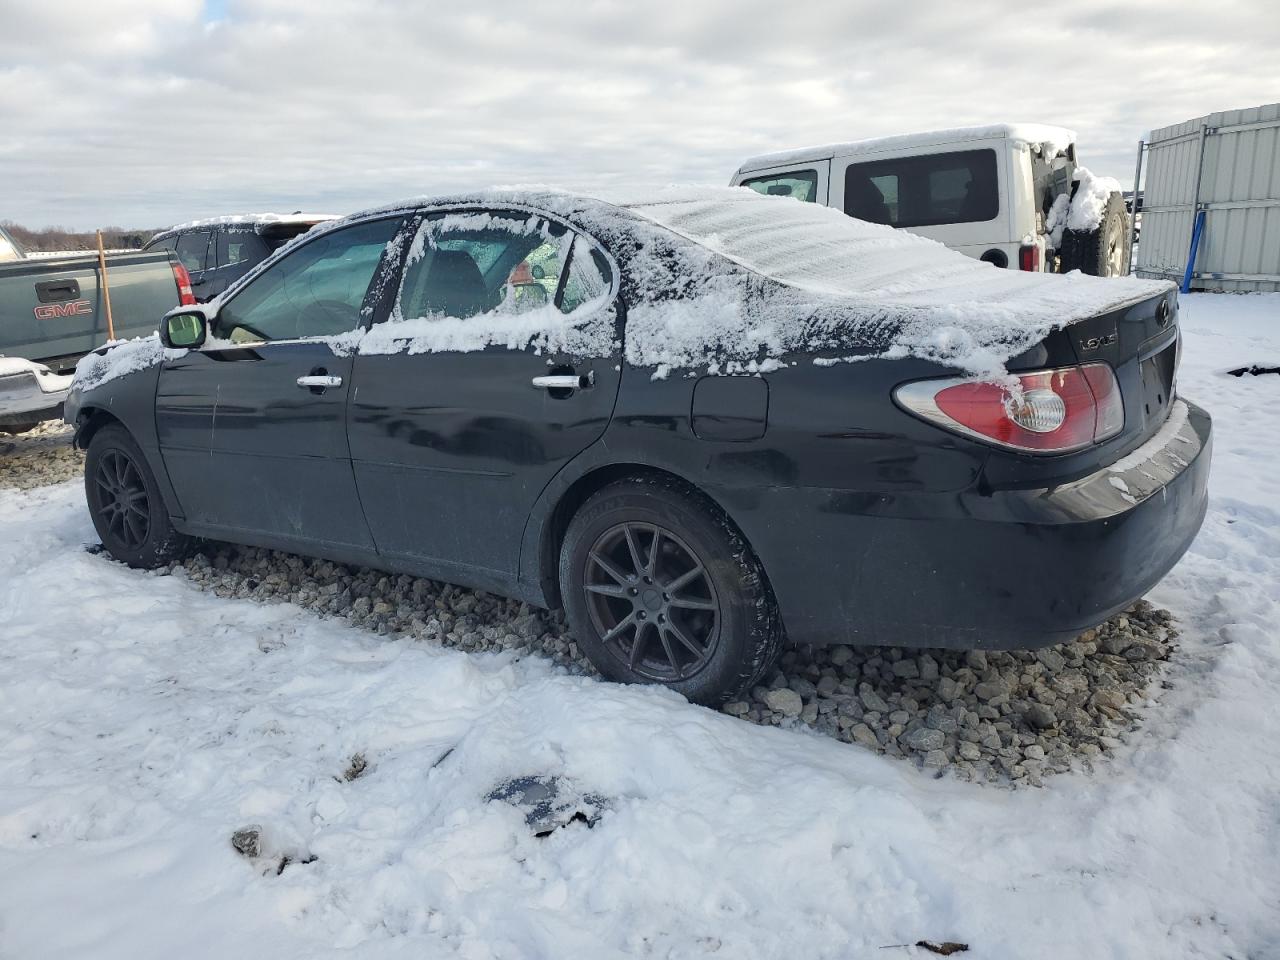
column 125, row 503
column 658, row 587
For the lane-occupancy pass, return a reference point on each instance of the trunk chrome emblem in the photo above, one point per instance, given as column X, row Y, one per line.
column 1093, row 343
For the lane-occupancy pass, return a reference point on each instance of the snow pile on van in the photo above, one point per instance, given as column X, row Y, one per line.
column 1082, row 213
column 1090, row 201
column 1047, row 139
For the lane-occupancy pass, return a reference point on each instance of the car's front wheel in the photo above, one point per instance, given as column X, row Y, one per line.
column 660, row 588
column 125, row 503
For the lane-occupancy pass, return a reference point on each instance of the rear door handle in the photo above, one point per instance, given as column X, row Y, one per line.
column 321, row 381
column 564, row 381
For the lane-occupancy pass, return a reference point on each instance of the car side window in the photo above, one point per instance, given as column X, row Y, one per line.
column 315, row 291
column 465, row 264
column 192, row 250
column 589, row 277
column 239, row 246
column 799, row 184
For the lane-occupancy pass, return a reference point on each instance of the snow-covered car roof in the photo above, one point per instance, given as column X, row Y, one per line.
column 843, row 281
column 258, row 222
column 1050, row 138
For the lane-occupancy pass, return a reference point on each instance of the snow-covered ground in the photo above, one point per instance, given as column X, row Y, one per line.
column 142, row 722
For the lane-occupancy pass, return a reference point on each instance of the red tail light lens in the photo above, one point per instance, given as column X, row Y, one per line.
column 1048, row 411
column 1029, row 258
column 183, row 279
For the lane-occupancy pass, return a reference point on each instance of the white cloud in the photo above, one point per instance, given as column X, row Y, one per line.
column 151, row 112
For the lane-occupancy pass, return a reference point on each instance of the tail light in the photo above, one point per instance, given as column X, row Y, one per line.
column 1047, row 411
column 1029, row 258
column 183, row 279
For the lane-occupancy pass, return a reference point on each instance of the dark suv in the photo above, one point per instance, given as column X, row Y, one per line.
column 220, row 251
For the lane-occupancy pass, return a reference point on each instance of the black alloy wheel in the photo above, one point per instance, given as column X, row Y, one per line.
column 125, row 503
column 660, row 587
column 123, row 507
column 652, row 601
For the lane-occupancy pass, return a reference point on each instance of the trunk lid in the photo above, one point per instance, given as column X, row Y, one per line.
column 1140, row 343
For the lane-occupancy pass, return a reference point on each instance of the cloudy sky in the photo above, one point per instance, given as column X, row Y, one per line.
column 146, row 112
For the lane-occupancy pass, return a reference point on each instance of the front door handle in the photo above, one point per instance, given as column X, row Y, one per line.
column 321, row 381
column 564, row 381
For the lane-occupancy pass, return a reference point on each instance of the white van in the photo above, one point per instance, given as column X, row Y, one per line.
column 1009, row 194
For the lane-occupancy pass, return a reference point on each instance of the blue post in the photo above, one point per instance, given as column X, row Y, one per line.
column 1195, row 248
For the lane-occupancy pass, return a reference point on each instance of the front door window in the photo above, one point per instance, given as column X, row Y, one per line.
column 317, row 291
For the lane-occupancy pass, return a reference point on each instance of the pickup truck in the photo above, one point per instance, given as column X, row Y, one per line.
column 51, row 314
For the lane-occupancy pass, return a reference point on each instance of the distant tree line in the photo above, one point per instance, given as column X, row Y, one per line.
column 58, row 238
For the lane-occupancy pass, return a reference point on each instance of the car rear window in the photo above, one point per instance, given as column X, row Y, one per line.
column 958, row 187
column 798, row 184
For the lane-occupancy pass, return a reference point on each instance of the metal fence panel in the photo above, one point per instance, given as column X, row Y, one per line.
column 1227, row 164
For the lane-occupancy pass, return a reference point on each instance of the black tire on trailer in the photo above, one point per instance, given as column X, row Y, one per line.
column 1103, row 252
column 125, row 503
column 660, row 587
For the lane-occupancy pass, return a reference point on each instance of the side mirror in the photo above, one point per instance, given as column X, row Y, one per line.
column 184, row 329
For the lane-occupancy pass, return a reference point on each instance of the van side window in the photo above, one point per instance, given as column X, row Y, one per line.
column 800, row 184
column 959, row 187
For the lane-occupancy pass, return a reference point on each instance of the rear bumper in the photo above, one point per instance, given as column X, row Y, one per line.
column 1009, row 568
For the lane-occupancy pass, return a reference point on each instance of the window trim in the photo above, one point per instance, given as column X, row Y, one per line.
column 907, row 159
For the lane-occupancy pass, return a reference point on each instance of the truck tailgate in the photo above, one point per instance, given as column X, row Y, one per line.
column 51, row 309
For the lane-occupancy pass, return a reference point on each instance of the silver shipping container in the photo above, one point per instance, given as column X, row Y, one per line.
column 1228, row 165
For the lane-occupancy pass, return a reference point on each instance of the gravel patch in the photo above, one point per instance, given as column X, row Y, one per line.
column 40, row 456
column 1013, row 717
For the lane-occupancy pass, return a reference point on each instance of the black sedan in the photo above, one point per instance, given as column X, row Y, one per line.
column 703, row 422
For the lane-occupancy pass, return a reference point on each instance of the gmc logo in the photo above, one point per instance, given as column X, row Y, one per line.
column 76, row 308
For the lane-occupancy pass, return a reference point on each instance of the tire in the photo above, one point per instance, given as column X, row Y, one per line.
column 125, row 503
column 1103, row 252
column 725, row 614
